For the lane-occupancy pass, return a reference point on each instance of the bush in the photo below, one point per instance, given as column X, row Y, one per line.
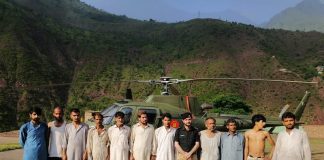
column 230, row 104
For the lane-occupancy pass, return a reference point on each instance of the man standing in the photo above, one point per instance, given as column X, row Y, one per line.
column 292, row 143
column 75, row 138
column 97, row 142
column 32, row 136
column 186, row 139
column 119, row 135
column 255, row 140
column 56, row 132
column 163, row 147
column 210, row 141
column 142, row 138
column 232, row 142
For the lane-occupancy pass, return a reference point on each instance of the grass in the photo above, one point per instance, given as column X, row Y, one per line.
column 9, row 146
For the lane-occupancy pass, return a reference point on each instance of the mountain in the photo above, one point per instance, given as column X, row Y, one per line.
column 306, row 16
column 53, row 42
column 163, row 11
column 229, row 15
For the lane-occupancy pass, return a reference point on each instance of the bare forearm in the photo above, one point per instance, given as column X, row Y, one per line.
column 194, row 149
column 64, row 157
column 246, row 146
column 178, row 148
column 246, row 152
column 271, row 152
column 85, row 155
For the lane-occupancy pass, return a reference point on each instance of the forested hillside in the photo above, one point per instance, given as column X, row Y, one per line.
column 51, row 42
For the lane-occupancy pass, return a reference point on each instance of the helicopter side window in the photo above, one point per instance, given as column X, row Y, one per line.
column 128, row 114
column 109, row 114
column 151, row 115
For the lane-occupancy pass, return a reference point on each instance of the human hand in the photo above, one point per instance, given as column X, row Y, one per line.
column 64, row 157
column 188, row 155
column 131, row 157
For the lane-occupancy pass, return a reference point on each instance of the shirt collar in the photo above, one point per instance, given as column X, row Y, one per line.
column 168, row 130
column 228, row 133
column 291, row 132
column 36, row 125
column 139, row 125
column 190, row 129
column 123, row 127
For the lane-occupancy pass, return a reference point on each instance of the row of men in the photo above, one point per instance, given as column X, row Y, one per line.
column 75, row 141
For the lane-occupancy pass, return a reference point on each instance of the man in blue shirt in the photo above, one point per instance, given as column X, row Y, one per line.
column 232, row 142
column 32, row 136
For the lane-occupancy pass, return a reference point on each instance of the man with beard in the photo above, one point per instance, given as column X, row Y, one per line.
column 292, row 143
column 56, row 132
column 163, row 147
column 141, row 138
column 186, row 139
column 255, row 140
column 75, row 138
column 32, row 136
column 119, row 138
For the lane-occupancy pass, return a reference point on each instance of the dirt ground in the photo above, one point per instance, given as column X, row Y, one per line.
column 315, row 134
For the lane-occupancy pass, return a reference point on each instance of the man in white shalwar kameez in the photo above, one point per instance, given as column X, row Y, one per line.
column 142, row 138
column 292, row 143
column 163, row 142
column 119, row 138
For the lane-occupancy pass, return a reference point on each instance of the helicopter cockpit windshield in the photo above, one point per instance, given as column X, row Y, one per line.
column 109, row 114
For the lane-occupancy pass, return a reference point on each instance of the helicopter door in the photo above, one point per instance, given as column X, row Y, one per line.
column 128, row 115
column 152, row 114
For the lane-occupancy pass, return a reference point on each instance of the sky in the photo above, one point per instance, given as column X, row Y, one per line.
column 254, row 12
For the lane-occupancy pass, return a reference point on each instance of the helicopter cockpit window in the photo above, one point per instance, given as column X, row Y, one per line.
column 151, row 114
column 128, row 114
column 109, row 114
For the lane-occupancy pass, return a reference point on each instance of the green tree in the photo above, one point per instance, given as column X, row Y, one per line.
column 230, row 104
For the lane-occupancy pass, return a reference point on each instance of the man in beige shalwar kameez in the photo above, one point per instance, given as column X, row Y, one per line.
column 98, row 141
column 142, row 139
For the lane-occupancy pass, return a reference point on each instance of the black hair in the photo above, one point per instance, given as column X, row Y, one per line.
column 212, row 118
column 231, row 120
column 75, row 110
column 168, row 115
column 59, row 107
column 257, row 118
column 97, row 114
column 288, row 115
column 119, row 114
column 140, row 113
column 186, row 115
column 37, row 110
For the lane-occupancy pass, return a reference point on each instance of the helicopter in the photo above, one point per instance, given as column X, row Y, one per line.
column 176, row 104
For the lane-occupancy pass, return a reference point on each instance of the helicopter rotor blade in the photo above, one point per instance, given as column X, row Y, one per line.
column 29, row 87
column 156, row 82
column 181, row 80
column 252, row 79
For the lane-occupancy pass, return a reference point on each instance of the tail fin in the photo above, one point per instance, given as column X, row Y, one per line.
column 284, row 109
column 300, row 108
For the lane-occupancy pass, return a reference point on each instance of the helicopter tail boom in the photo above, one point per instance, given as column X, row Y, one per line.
column 301, row 107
